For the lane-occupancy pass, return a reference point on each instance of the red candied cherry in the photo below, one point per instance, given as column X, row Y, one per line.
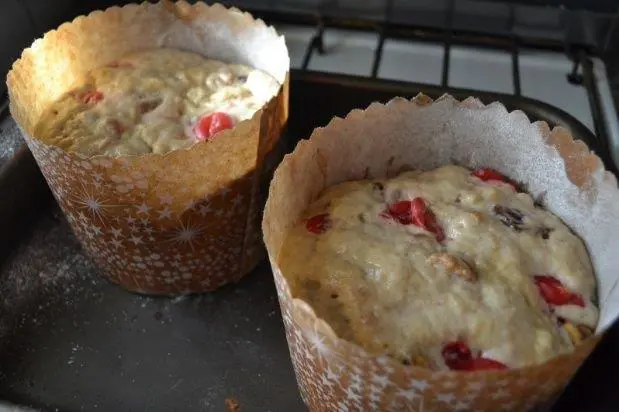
column 90, row 97
column 400, row 211
column 415, row 212
column 457, row 356
column 211, row 124
column 425, row 218
column 318, row 224
column 554, row 293
column 488, row 175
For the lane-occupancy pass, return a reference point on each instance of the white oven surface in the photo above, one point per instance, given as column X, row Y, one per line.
column 542, row 74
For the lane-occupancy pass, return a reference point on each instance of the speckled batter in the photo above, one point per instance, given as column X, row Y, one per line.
column 432, row 265
column 151, row 102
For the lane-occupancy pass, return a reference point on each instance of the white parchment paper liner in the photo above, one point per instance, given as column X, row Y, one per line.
column 336, row 375
column 187, row 221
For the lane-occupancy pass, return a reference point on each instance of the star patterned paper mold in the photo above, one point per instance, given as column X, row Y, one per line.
column 337, row 375
column 142, row 242
column 150, row 243
column 184, row 222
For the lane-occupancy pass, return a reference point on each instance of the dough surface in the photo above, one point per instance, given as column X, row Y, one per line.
column 429, row 264
column 151, row 102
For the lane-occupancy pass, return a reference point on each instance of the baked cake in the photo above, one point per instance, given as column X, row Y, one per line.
column 154, row 101
column 448, row 269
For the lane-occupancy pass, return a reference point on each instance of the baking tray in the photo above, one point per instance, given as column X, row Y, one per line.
column 70, row 341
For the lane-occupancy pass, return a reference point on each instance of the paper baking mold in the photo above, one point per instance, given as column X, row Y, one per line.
column 337, row 375
column 184, row 222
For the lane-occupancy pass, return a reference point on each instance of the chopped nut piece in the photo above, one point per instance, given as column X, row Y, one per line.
column 585, row 331
column 378, row 190
column 510, row 217
column 544, row 232
column 453, row 265
column 577, row 333
column 477, row 216
column 421, row 361
column 146, row 106
column 573, row 332
column 368, row 318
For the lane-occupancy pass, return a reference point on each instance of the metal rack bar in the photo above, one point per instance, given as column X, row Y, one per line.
column 581, row 60
column 382, row 35
column 574, row 77
column 308, row 54
column 418, row 32
column 595, row 101
column 378, row 53
column 316, row 43
column 514, row 53
column 610, row 31
column 516, row 69
column 4, row 106
column 447, row 41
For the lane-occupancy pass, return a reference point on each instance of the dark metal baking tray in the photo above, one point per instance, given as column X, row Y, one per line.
column 70, row 341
